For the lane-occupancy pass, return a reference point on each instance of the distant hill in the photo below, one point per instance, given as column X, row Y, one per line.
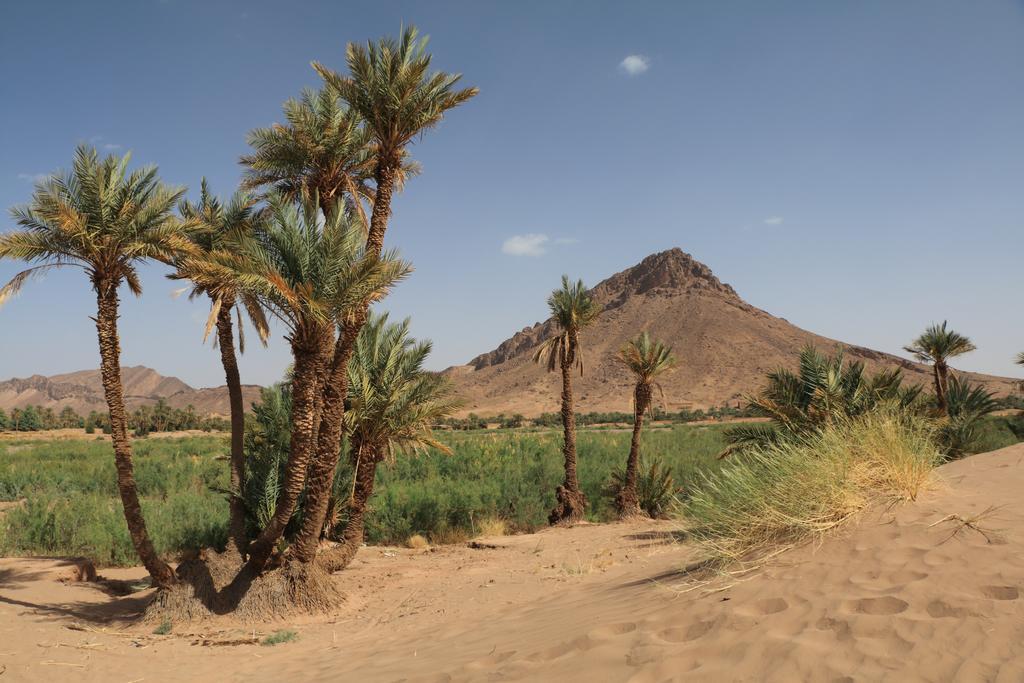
column 83, row 391
column 724, row 346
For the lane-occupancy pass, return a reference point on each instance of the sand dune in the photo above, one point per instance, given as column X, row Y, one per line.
column 899, row 596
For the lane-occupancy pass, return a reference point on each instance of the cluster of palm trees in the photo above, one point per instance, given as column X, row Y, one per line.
column 294, row 243
column 572, row 310
column 825, row 388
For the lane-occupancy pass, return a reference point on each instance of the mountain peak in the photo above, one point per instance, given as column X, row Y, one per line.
column 668, row 273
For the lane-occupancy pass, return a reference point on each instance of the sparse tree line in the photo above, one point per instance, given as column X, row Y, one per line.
column 302, row 243
column 657, row 414
column 159, row 417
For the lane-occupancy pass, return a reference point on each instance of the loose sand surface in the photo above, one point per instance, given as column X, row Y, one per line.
column 899, row 595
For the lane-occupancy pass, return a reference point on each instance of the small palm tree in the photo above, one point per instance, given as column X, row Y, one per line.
column 393, row 405
column 967, row 405
column 936, row 346
column 224, row 229
column 572, row 310
column 106, row 220
column 310, row 272
column 389, row 85
column 823, row 390
column 647, row 360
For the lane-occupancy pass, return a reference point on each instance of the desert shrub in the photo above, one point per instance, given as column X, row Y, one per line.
column 278, row 637
column 780, row 494
column 824, row 388
column 968, row 405
column 997, row 431
column 655, row 487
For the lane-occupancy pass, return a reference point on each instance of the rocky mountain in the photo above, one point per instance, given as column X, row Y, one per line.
column 724, row 345
column 83, row 391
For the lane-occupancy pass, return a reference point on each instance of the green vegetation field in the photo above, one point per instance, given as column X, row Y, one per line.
column 72, row 508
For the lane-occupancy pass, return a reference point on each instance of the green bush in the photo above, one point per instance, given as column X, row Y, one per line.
column 655, row 487
column 74, row 509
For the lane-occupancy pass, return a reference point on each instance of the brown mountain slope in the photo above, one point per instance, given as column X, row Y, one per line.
column 724, row 345
column 83, row 391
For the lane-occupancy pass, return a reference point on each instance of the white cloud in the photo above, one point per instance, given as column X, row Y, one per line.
column 530, row 244
column 773, row 220
column 566, row 240
column 634, row 65
column 110, row 147
column 33, row 177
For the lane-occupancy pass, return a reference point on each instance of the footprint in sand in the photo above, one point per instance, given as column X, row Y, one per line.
column 770, row 606
column 644, row 654
column 684, row 634
column 1000, row 592
column 581, row 644
column 885, row 606
column 938, row 609
column 612, row 630
column 491, row 660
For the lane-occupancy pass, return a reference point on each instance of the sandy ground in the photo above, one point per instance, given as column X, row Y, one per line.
column 900, row 596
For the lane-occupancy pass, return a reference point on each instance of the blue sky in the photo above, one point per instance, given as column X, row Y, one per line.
column 854, row 167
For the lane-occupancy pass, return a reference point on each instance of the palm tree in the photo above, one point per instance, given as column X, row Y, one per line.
column 823, row 390
column 572, row 310
column 390, row 87
column 324, row 150
column 647, row 360
column 225, row 228
column 936, row 346
column 394, row 403
column 106, row 220
column 309, row 277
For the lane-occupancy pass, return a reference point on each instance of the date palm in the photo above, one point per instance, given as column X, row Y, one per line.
column 824, row 389
column 225, row 228
column 105, row 219
column 394, row 403
column 310, row 272
column 323, row 149
column 572, row 310
column 390, row 86
column 390, row 89
column 937, row 345
column 647, row 360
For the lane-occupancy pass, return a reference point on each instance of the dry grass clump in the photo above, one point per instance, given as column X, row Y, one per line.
column 776, row 496
column 417, row 542
column 491, row 526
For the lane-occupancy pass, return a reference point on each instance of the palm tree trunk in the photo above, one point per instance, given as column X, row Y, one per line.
column 110, row 371
column 571, row 501
column 627, row 501
column 226, row 340
column 940, row 388
column 307, row 353
column 341, row 555
column 384, row 177
column 335, row 385
column 328, row 445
